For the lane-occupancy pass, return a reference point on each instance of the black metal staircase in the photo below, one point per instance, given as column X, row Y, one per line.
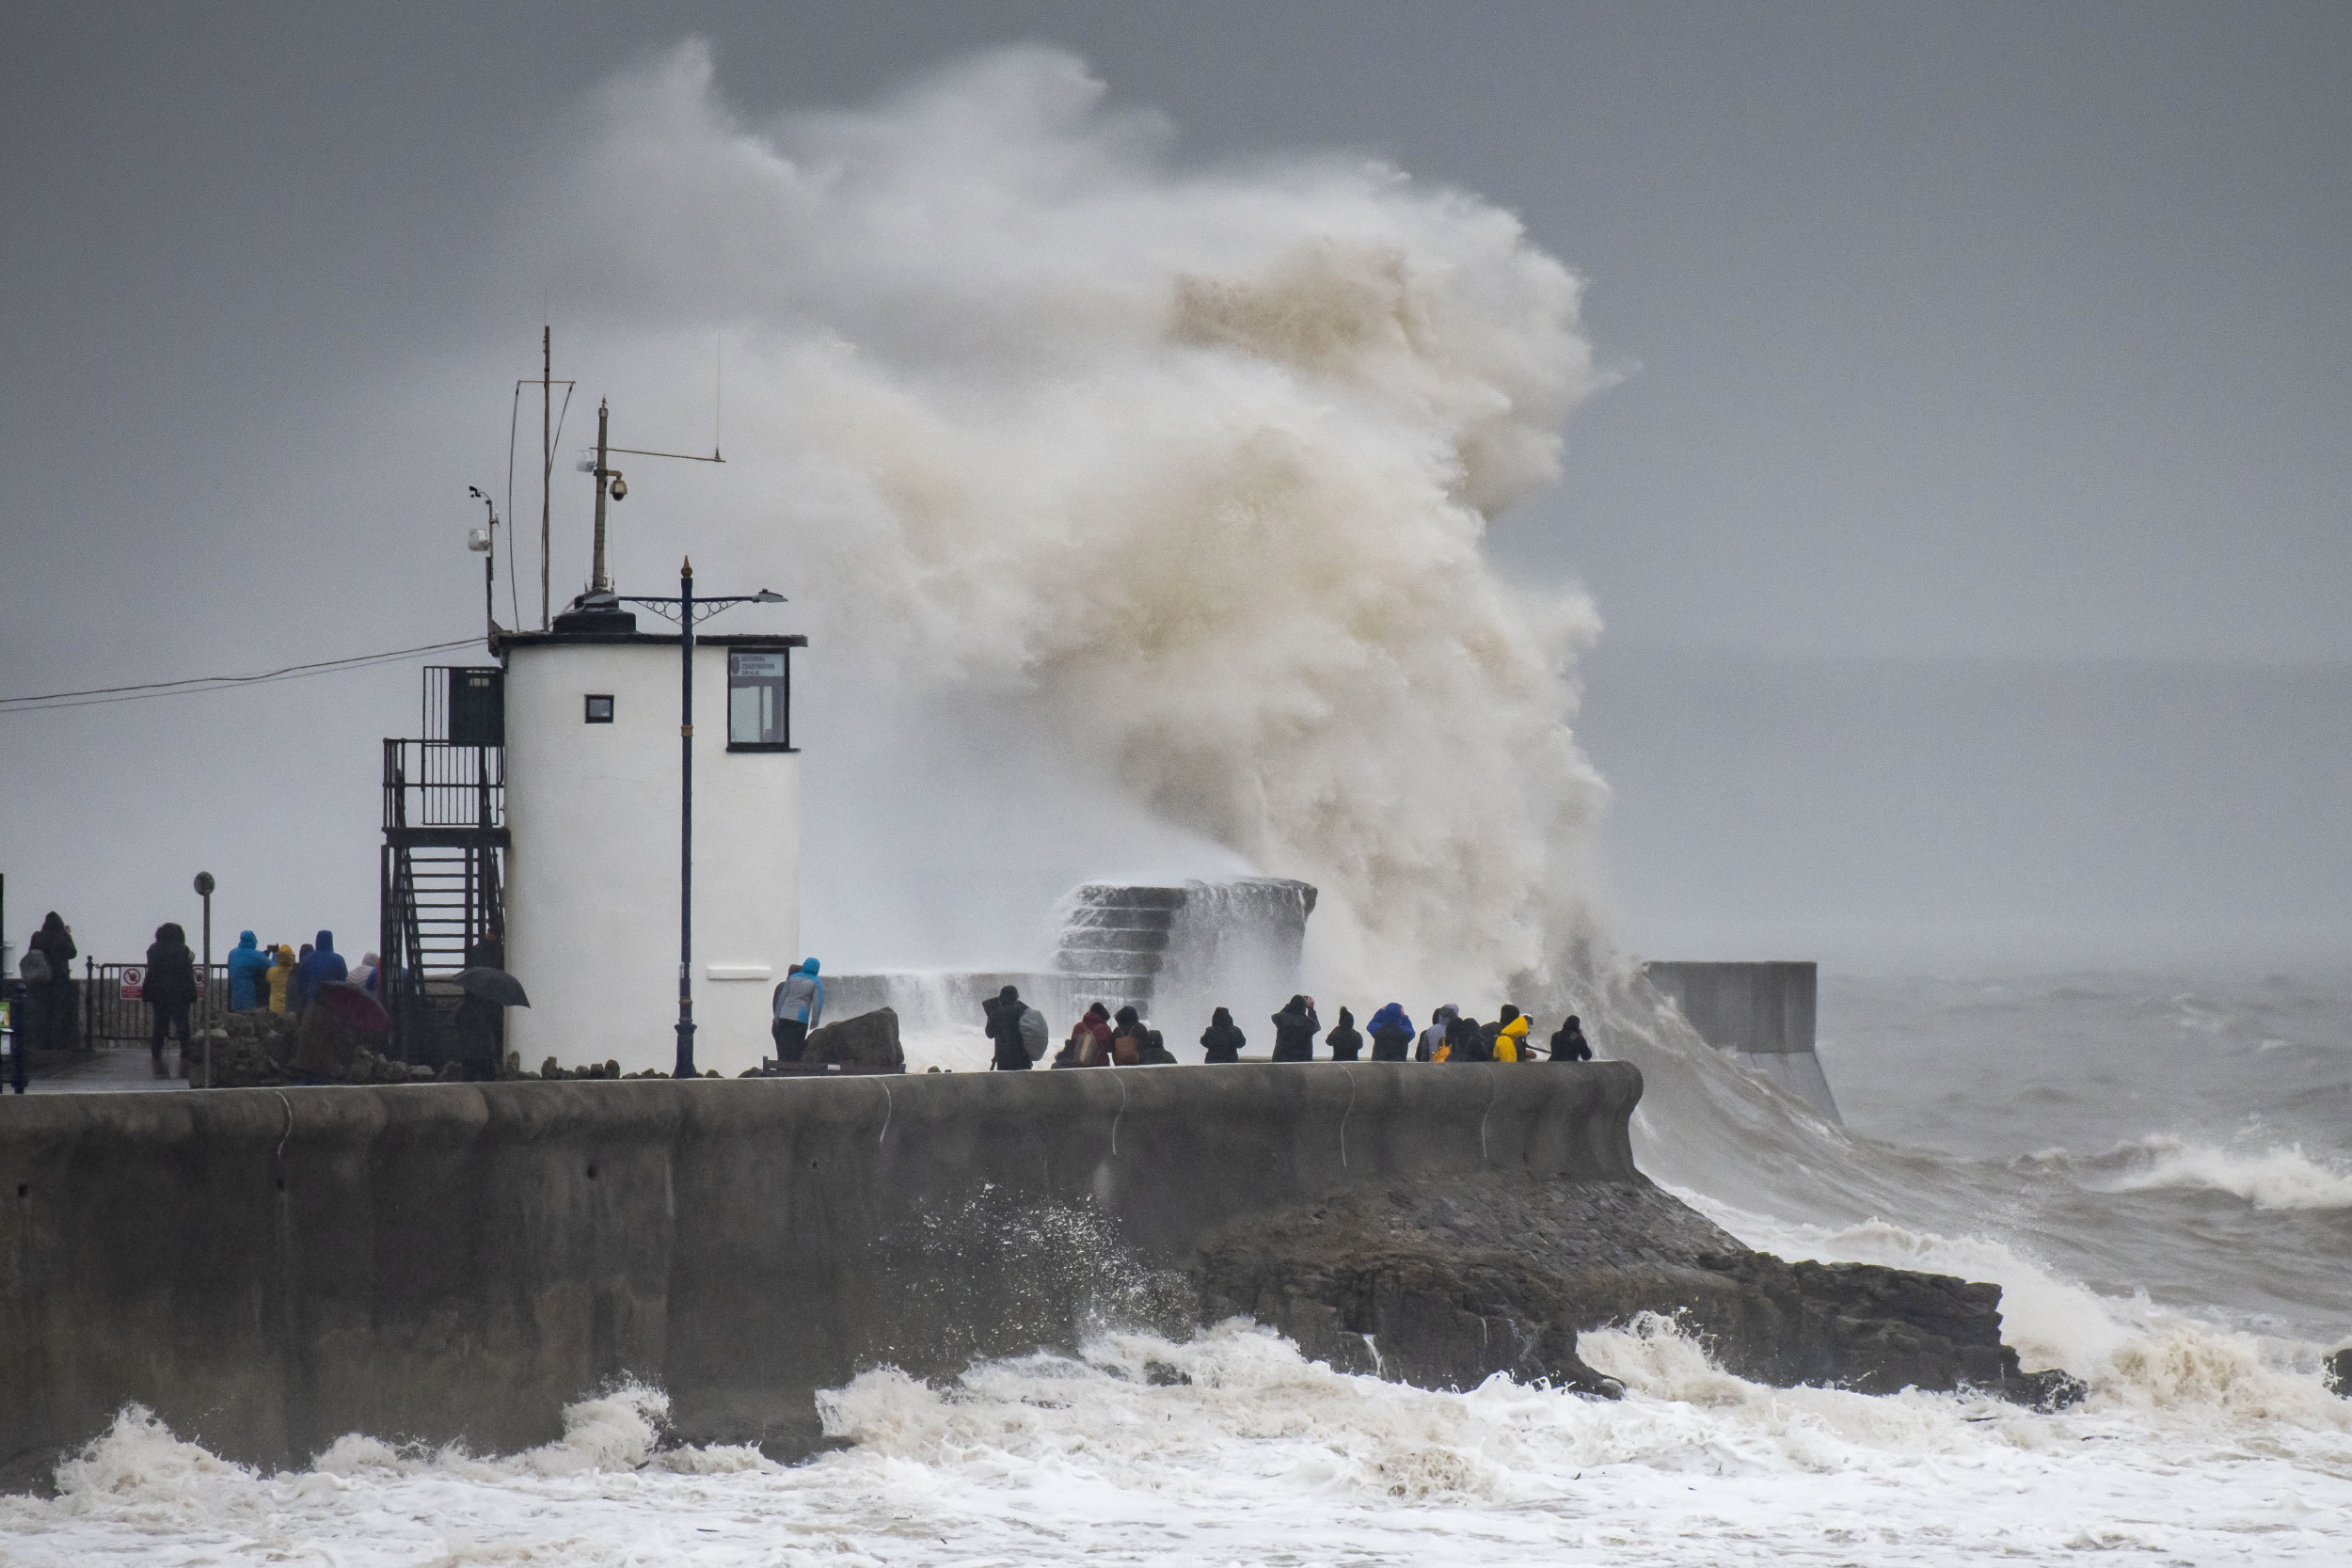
column 441, row 879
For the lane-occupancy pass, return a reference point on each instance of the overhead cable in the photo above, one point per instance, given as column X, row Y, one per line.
column 195, row 685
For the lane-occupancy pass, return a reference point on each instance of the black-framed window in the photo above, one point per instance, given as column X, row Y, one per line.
column 599, row 708
column 760, row 700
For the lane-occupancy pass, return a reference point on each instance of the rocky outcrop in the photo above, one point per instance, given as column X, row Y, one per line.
column 2337, row 1367
column 1443, row 1284
column 868, row 1040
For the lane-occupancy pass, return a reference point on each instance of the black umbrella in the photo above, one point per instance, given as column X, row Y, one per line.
column 492, row 985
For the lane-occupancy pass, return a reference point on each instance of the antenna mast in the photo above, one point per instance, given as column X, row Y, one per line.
column 547, row 458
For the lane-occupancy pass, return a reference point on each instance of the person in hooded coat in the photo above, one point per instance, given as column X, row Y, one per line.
column 323, row 965
column 280, row 978
column 1433, row 1039
column 481, row 1024
column 1569, row 1044
column 247, row 967
column 1090, row 1042
column 55, row 999
column 1221, row 1040
column 1295, row 1030
column 1465, row 1041
column 1127, row 1033
column 1155, row 1051
column 1346, row 1043
column 171, row 988
column 1510, row 1035
column 799, row 1007
column 1004, row 1012
column 1392, row 1034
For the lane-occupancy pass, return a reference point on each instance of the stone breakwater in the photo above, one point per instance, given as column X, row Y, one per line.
column 269, row 1269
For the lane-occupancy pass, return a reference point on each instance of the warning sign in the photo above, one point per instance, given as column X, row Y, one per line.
column 133, row 982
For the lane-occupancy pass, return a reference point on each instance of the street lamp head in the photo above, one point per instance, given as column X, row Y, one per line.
column 766, row 597
column 204, row 884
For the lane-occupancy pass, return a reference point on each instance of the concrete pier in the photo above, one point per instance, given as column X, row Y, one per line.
column 268, row 1269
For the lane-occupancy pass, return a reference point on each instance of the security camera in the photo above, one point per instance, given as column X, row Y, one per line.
column 620, row 487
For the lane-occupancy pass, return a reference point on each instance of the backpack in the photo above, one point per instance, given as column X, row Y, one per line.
column 1033, row 1034
column 33, row 968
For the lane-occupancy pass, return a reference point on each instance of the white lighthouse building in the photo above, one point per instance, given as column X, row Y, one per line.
column 593, row 808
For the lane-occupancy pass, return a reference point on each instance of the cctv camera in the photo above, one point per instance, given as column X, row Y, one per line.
column 620, row 487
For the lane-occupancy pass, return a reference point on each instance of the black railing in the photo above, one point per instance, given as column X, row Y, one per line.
column 108, row 1017
column 441, row 783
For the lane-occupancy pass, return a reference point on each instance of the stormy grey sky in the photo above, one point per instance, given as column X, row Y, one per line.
column 1969, row 518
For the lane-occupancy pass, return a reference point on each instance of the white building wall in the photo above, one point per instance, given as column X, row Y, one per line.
column 591, row 893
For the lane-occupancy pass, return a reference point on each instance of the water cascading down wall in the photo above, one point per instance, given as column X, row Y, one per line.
column 268, row 1270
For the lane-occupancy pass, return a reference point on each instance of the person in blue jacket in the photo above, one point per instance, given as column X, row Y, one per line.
column 798, row 1006
column 248, row 966
column 322, row 964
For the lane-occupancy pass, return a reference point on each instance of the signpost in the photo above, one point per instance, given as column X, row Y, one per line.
column 205, row 885
column 134, row 984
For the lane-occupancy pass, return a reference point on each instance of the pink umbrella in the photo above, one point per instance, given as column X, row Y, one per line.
column 355, row 1006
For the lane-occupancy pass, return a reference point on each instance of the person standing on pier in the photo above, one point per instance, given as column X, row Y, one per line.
column 1222, row 1040
column 1345, row 1041
column 1569, row 1044
column 1295, row 1030
column 1004, row 1012
column 1392, row 1034
column 170, row 989
column 800, row 1005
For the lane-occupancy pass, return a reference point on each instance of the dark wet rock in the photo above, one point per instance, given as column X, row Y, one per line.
column 2337, row 1368
column 869, row 1040
column 1443, row 1284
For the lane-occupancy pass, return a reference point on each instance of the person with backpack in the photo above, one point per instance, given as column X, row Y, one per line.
column 1090, row 1042
column 170, row 989
column 796, row 1007
column 1345, row 1041
column 1222, row 1040
column 1392, row 1034
column 1127, row 1038
column 1006, row 1013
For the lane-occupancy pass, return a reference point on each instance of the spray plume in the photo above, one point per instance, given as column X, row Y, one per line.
column 1194, row 463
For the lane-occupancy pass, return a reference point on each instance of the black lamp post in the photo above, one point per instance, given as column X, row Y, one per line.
column 686, row 610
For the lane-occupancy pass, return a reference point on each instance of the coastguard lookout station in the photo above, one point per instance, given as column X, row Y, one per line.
column 593, row 806
column 553, row 800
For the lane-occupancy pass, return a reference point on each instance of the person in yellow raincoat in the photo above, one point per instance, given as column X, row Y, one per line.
column 280, row 977
column 1510, row 1038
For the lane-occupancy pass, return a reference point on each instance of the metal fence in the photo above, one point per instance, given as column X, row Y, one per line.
column 111, row 1018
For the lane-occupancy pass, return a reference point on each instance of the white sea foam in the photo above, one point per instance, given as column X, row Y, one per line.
column 1228, row 1446
column 2135, row 1355
column 2275, row 1178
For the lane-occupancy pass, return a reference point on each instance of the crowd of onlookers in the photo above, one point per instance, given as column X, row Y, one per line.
column 1104, row 1039
column 278, row 977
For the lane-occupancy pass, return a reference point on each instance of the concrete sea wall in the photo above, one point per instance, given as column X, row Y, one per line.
column 270, row 1269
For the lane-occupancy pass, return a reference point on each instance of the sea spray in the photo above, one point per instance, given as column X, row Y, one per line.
column 1195, row 463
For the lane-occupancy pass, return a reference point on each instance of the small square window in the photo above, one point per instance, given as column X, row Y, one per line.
column 600, row 708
